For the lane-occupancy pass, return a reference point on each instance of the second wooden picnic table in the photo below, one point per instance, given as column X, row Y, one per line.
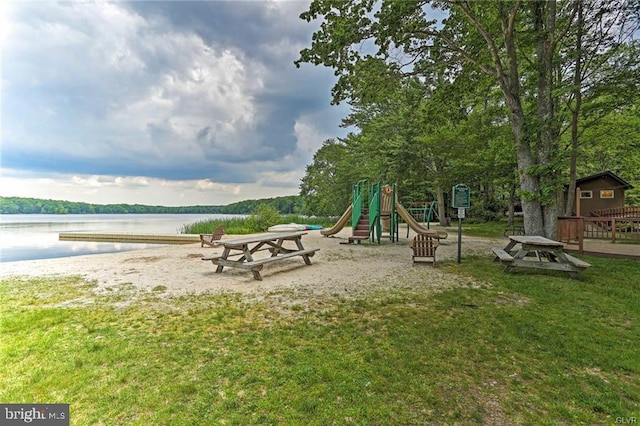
column 247, row 247
column 538, row 252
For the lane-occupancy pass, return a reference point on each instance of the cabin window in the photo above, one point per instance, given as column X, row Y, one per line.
column 586, row 194
column 606, row 193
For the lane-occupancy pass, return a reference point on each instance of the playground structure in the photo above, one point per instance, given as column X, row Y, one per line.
column 425, row 211
column 375, row 211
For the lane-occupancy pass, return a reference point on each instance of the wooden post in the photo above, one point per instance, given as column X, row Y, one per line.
column 581, row 234
column 578, row 202
column 613, row 228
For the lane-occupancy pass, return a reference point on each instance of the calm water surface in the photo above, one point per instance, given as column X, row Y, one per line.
column 35, row 236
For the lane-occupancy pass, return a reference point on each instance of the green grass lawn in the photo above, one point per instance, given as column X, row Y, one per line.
column 516, row 348
column 494, row 229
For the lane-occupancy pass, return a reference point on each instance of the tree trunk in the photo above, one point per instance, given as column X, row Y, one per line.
column 535, row 169
column 575, row 114
column 442, row 207
column 511, row 203
column 529, row 184
column 547, row 144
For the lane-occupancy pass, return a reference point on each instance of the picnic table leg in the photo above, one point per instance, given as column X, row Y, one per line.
column 256, row 272
column 510, row 246
column 561, row 257
column 247, row 254
column 519, row 255
column 277, row 248
column 306, row 257
column 224, row 256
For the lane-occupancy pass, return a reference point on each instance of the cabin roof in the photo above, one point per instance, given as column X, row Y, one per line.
column 623, row 183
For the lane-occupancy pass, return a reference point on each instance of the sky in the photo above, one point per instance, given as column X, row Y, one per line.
column 163, row 103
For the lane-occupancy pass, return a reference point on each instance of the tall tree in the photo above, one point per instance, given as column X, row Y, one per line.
column 326, row 186
column 514, row 42
column 601, row 60
column 614, row 144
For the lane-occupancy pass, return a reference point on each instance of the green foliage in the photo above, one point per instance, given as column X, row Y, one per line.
column 614, row 144
column 18, row 205
column 632, row 197
column 240, row 226
column 487, row 209
column 484, row 69
column 326, row 186
column 263, row 217
column 231, row 226
column 285, row 205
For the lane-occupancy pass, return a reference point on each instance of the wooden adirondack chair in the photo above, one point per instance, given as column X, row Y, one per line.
column 424, row 248
column 212, row 239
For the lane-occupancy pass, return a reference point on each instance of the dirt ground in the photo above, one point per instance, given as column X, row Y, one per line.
column 337, row 269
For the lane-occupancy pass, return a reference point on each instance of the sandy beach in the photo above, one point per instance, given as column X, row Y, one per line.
column 337, row 269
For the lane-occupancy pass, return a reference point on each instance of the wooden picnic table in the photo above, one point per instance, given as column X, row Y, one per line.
column 537, row 252
column 247, row 247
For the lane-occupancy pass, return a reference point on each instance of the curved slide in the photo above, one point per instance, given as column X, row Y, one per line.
column 344, row 219
column 413, row 224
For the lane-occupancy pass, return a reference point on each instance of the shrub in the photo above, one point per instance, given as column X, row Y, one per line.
column 487, row 210
column 263, row 217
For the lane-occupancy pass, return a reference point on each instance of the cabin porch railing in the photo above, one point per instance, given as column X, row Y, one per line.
column 627, row 211
column 574, row 229
column 612, row 228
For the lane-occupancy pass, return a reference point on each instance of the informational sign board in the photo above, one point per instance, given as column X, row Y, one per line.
column 461, row 196
column 460, row 199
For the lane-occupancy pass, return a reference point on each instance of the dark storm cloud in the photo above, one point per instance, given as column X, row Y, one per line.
column 173, row 90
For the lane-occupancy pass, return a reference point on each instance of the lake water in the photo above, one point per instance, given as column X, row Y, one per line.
column 35, row 236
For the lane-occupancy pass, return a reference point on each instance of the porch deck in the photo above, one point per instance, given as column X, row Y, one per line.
column 603, row 248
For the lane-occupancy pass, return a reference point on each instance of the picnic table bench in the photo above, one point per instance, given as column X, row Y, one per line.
column 514, row 230
column 537, row 252
column 247, row 247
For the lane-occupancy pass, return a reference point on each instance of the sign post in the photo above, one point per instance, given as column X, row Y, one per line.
column 461, row 199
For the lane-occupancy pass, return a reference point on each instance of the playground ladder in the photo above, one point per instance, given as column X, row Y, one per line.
column 367, row 212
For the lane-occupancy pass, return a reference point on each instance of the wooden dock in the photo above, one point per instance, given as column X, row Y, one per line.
column 130, row 238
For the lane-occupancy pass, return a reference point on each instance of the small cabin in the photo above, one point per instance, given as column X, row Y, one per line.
column 600, row 191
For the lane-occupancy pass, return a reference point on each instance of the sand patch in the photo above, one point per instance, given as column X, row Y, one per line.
column 337, row 269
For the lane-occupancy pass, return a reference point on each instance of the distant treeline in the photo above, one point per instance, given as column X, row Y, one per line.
column 18, row 205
